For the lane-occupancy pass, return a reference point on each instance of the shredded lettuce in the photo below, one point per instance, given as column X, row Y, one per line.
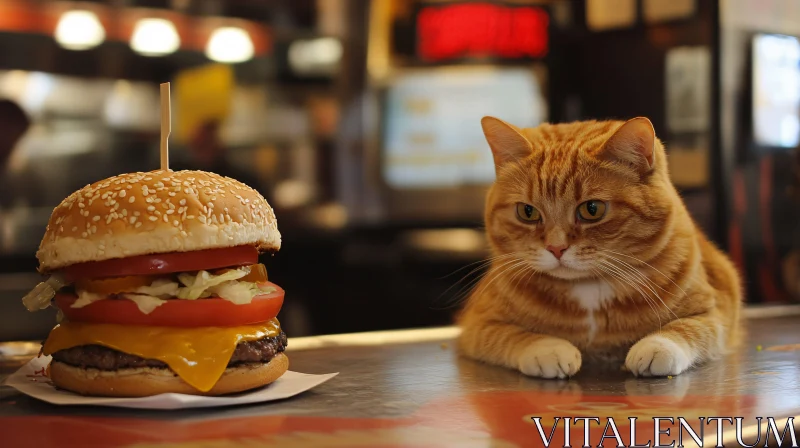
column 144, row 302
column 199, row 285
column 162, row 288
column 195, row 286
column 237, row 292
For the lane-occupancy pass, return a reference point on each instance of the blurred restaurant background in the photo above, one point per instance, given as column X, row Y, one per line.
column 359, row 121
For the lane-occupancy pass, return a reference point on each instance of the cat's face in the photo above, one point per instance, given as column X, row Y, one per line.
column 577, row 200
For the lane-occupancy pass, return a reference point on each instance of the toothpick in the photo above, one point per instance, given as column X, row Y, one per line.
column 166, row 126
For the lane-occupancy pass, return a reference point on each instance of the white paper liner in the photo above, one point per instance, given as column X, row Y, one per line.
column 30, row 380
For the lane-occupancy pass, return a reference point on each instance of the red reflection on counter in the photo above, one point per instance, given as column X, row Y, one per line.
column 483, row 30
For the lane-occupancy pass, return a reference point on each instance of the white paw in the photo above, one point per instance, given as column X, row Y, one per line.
column 657, row 356
column 550, row 358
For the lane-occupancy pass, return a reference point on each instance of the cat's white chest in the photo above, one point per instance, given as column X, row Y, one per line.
column 590, row 296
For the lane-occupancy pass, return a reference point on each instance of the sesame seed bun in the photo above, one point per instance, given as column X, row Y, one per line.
column 156, row 212
column 147, row 381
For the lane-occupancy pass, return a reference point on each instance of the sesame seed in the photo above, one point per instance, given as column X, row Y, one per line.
column 175, row 222
column 169, row 212
column 166, row 219
column 75, row 229
column 182, row 202
column 95, row 218
column 137, row 213
column 152, row 218
column 150, row 208
column 84, row 234
column 138, row 224
column 171, row 193
column 132, row 219
column 132, row 199
column 122, row 194
column 190, row 217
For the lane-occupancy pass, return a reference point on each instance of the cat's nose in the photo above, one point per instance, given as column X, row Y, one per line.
column 558, row 251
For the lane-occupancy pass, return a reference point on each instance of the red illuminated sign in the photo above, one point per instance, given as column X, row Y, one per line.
column 481, row 30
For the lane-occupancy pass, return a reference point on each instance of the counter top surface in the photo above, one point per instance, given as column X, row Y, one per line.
column 410, row 387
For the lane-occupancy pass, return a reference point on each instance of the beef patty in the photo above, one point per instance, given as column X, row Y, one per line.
column 104, row 358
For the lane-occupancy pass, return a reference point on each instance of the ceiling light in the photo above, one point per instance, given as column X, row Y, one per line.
column 79, row 30
column 155, row 37
column 230, row 45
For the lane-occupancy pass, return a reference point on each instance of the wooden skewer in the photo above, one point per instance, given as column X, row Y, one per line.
column 166, row 126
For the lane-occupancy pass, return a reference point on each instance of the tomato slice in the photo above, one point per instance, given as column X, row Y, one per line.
column 210, row 312
column 164, row 263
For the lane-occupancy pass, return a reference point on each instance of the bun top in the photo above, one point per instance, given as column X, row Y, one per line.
column 156, row 212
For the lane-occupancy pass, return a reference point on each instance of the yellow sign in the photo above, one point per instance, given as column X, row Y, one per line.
column 202, row 94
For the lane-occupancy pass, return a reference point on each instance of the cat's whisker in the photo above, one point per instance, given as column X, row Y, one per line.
column 459, row 295
column 646, row 282
column 638, row 272
column 484, row 262
column 636, row 276
column 622, row 279
column 465, row 290
column 650, row 266
column 501, row 272
column 519, row 277
column 598, row 273
column 621, row 275
column 610, row 282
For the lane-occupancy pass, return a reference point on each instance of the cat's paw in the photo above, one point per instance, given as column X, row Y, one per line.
column 657, row 356
column 550, row 358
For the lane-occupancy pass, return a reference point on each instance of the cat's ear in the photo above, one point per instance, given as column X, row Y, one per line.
column 633, row 143
column 505, row 140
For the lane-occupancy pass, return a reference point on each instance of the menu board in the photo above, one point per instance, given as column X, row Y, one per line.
column 776, row 90
column 432, row 129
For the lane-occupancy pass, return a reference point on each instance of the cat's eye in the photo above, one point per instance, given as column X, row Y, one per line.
column 528, row 213
column 591, row 211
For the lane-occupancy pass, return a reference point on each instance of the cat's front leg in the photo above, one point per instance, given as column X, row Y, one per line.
column 680, row 345
column 511, row 346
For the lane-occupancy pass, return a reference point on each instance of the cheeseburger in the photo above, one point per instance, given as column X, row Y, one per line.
column 158, row 286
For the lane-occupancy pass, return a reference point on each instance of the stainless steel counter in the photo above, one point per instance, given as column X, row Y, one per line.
column 409, row 388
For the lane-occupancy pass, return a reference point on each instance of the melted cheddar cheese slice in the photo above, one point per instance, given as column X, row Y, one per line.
column 198, row 355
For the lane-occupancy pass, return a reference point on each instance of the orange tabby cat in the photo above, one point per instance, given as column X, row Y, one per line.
column 594, row 255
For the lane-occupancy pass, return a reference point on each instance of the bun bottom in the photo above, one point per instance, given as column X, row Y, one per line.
column 143, row 382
